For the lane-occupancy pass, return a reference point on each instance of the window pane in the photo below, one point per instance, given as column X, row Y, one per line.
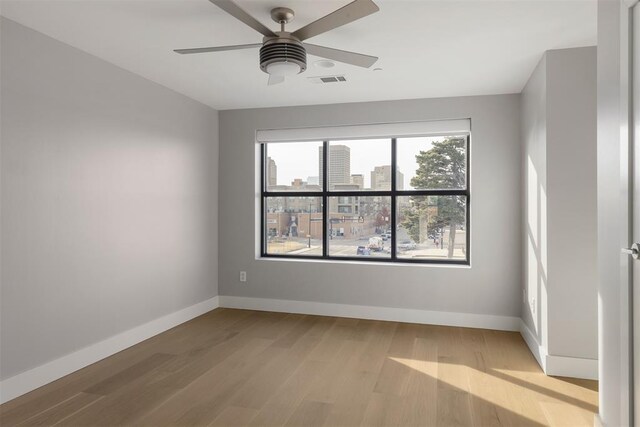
column 293, row 166
column 431, row 163
column 432, row 227
column 293, row 225
column 360, row 165
column 360, row 226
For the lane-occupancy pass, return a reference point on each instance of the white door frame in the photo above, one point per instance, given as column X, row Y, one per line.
column 628, row 124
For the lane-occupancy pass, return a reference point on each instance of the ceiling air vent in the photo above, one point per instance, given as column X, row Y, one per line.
column 327, row 79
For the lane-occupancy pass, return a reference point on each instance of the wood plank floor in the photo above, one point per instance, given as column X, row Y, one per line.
column 247, row 368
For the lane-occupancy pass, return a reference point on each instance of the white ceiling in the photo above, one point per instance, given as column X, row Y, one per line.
column 427, row 48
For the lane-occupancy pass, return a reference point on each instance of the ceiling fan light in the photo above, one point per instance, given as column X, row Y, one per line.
column 283, row 68
column 324, row 63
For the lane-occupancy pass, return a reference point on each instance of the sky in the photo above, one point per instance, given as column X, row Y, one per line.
column 301, row 159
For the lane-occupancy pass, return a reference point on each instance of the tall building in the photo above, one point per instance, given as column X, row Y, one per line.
column 358, row 179
column 339, row 164
column 381, row 178
column 272, row 172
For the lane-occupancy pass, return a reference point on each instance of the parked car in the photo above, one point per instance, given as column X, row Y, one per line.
column 406, row 245
column 363, row 250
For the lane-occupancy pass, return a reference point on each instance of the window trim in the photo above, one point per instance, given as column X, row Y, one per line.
column 393, row 194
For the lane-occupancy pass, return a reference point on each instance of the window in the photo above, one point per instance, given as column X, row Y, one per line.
column 402, row 199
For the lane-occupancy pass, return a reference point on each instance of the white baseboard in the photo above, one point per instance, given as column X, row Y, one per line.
column 51, row 371
column 597, row 421
column 574, row 367
column 538, row 351
column 561, row 366
column 468, row 320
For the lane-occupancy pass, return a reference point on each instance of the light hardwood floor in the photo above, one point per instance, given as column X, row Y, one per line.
column 238, row 367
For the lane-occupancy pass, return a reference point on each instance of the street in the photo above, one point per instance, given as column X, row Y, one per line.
column 340, row 247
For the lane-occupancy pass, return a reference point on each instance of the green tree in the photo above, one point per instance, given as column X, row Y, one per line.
column 441, row 167
column 411, row 222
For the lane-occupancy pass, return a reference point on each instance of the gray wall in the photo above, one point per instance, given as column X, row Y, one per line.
column 613, row 268
column 534, row 190
column 490, row 286
column 560, row 209
column 109, row 200
column 572, row 202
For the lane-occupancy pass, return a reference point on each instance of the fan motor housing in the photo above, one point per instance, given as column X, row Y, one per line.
column 283, row 50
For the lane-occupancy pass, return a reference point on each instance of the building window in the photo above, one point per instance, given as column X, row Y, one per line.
column 389, row 199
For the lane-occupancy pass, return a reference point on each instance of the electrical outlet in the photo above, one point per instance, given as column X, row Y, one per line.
column 524, row 295
column 243, row 276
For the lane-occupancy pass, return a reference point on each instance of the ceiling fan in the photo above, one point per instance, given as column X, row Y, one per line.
column 283, row 53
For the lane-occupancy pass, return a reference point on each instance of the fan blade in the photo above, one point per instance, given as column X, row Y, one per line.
column 357, row 59
column 274, row 80
column 218, row 48
column 234, row 10
column 349, row 13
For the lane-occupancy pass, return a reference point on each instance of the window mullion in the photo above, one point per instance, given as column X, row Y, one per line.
column 394, row 189
column 263, row 213
column 325, row 198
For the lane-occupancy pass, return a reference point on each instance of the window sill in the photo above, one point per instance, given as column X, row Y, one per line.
column 356, row 262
